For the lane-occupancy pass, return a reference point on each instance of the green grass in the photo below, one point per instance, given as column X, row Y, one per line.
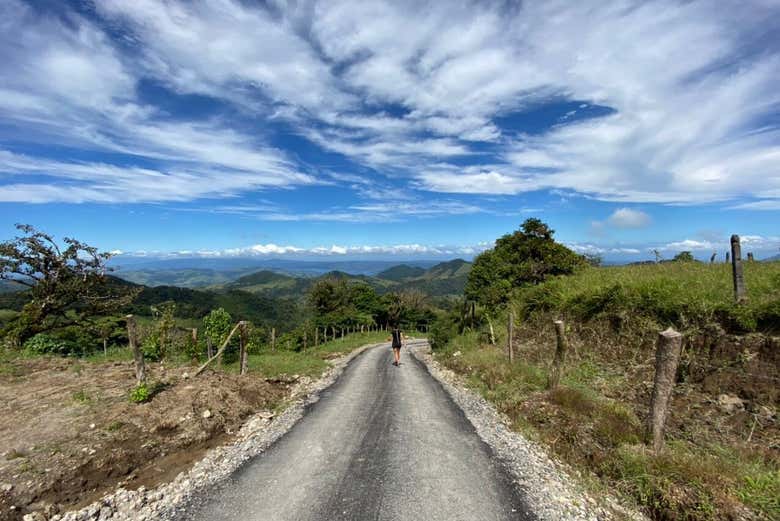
column 686, row 295
column 312, row 362
column 686, row 482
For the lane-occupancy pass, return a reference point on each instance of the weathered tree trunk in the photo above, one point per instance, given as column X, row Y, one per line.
column 667, row 357
column 740, row 293
column 138, row 356
column 243, row 355
column 209, row 347
column 561, row 347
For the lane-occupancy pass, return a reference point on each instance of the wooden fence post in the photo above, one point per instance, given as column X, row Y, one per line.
column 509, row 333
column 138, row 356
column 317, row 336
column 242, row 352
column 209, row 347
column 273, row 339
column 304, row 340
column 740, row 294
column 561, row 346
column 667, row 356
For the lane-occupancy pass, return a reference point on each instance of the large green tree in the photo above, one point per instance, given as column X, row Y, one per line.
column 67, row 284
column 527, row 256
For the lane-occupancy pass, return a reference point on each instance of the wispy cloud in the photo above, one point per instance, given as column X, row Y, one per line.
column 691, row 94
column 276, row 250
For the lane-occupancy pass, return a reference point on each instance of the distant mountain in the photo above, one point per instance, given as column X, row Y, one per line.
column 401, row 272
column 773, row 258
column 203, row 272
column 446, row 278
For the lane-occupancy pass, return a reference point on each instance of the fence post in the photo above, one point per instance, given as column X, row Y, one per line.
column 242, row 339
column 561, row 346
column 209, row 347
column 736, row 270
column 509, row 333
column 667, row 356
column 138, row 356
column 273, row 339
column 317, row 336
column 304, row 340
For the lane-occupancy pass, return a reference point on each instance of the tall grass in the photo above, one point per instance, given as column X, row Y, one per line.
column 686, row 295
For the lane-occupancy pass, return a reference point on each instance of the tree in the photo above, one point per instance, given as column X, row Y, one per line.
column 684, row 256
column 528, row 256
column 216, row 326
column 66, row 285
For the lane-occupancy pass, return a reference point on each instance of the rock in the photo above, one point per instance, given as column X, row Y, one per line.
column 6, row 487
column 34, row 516
column 730, row 403
column 456, row 354
column 185, row 376
column 766, row 413
column 206, row 414
column 91, row 425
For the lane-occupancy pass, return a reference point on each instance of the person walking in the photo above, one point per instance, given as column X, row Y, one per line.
column 396, row 344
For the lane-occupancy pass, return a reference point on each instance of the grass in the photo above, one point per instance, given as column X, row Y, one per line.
column 603, row 436
column 686, row 295
column 312, row 362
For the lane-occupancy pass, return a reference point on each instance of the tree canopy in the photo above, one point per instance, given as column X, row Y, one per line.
column 527, row 256
column 67, row 285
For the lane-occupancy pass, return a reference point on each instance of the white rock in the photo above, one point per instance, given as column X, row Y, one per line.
column 206, row 414
column 730, row 403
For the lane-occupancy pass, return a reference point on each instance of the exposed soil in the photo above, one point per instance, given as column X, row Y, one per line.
column 69, row 434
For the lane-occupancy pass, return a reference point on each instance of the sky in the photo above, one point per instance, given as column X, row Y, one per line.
column 391, row 129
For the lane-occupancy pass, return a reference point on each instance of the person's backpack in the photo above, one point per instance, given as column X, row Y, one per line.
column 396, row 338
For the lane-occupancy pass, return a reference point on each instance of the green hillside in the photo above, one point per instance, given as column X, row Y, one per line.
column 401, row 272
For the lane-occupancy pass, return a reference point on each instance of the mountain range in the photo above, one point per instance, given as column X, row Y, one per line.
column 445, row 278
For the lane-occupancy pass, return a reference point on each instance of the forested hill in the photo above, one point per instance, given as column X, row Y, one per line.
column 446, row 278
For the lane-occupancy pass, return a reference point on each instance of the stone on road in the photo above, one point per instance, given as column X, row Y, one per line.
column 382, row 443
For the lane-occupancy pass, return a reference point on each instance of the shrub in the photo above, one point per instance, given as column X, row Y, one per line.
column 140, row 393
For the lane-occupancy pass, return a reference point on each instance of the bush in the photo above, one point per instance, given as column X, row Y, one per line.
column 140, row 393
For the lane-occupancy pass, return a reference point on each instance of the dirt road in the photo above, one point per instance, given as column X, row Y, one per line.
column 383, row 443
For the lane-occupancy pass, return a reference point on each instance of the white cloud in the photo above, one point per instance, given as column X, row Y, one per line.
column 335, row 250
column 691, row 88
column 628, row 218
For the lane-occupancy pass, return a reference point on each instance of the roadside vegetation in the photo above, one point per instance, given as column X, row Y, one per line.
column 722, row 454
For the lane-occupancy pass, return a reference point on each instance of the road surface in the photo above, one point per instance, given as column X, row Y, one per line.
column 382, row 443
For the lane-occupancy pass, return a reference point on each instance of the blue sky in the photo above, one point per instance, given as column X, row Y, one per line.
column 391, row 130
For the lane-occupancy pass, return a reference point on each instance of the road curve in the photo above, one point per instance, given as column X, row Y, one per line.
column 382, row 443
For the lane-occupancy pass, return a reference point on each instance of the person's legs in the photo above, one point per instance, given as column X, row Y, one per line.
column 397, row 355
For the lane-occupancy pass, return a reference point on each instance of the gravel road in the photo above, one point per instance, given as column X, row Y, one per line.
column 382, row 443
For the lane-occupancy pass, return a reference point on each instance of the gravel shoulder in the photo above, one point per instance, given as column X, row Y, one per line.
column 550, row 490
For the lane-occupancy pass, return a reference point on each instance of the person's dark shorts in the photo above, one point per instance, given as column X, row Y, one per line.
column 394, row 347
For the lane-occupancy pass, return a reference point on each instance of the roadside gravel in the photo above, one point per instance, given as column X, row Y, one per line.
column 257, row 434
column 550, row 491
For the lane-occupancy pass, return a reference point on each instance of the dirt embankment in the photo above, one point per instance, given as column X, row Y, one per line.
column 69, row 433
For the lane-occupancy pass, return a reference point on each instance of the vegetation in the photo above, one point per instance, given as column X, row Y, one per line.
column 528, row 256
column 717, row 464
column 67, row 286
